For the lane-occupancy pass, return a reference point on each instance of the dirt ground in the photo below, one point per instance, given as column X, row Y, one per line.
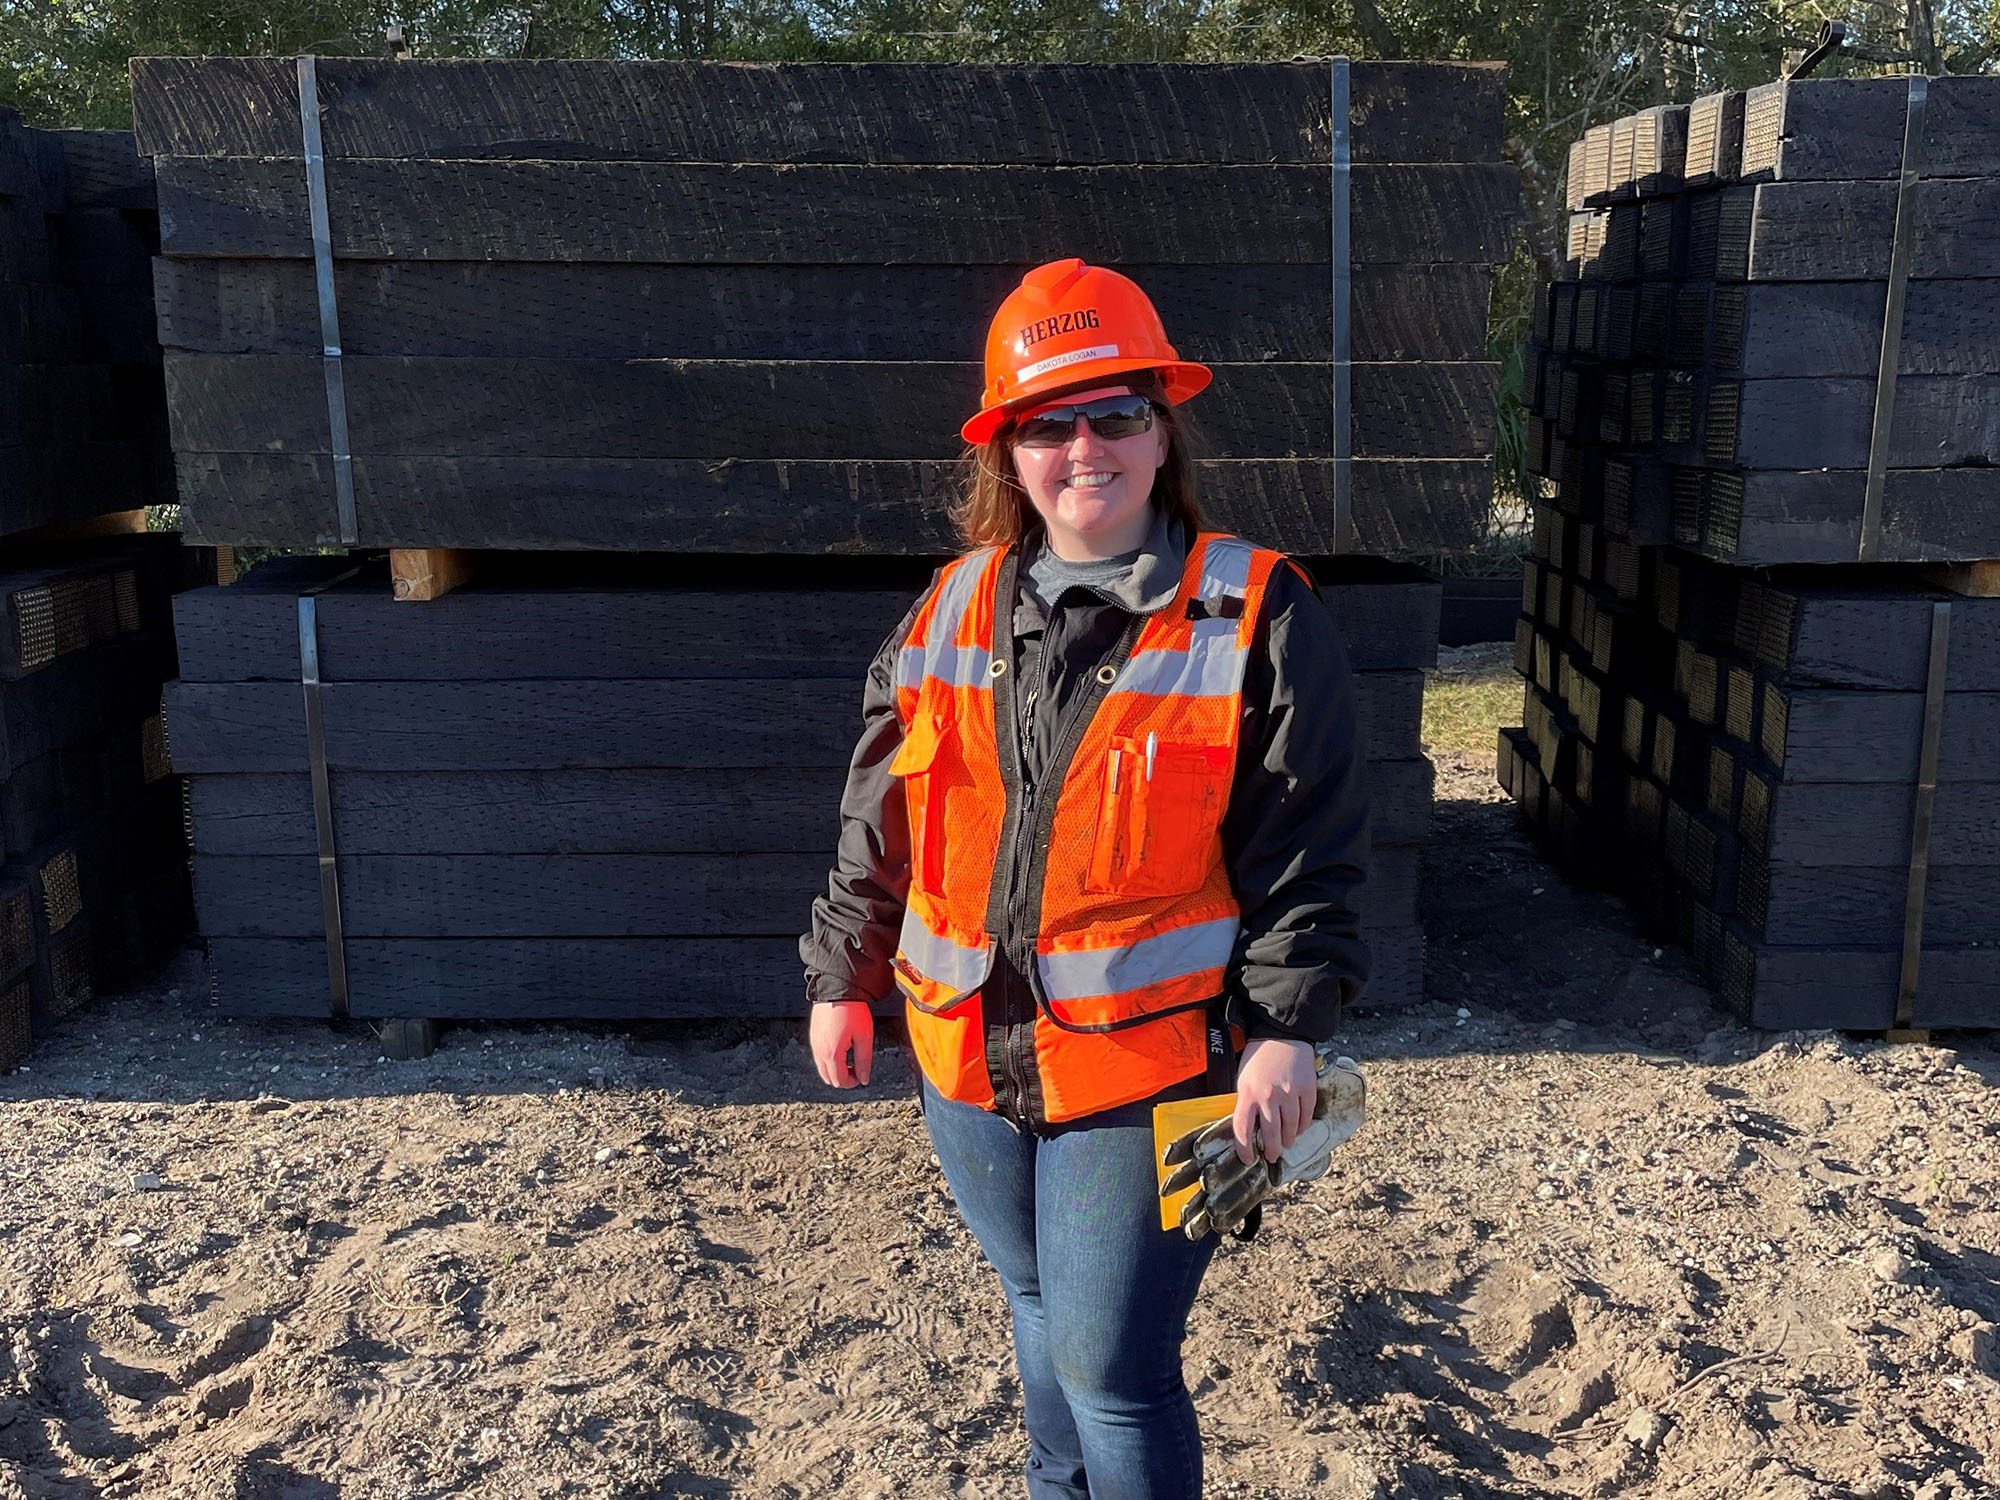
column 1596, row 1240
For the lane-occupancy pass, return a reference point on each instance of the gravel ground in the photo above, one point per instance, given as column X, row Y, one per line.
column 1597, row 1239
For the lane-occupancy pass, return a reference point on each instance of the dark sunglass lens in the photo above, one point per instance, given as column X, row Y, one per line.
column 1050, row 431
column 1112, row 418
column 1120, row 416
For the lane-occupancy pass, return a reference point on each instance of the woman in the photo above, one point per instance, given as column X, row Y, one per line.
column 1104, row 827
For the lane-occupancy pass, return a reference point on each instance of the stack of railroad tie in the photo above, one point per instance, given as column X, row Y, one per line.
column 673, row 309
column 93, row 867
column 581, row 797
column 93, row 887
column 82, row 406
column 1777, row 354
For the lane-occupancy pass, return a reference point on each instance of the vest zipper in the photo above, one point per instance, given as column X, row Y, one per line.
column 1037, row 822
column 1019, row 1047
column 1031, row 826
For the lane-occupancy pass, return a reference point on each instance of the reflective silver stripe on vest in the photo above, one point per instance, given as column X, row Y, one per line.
column 1214, row 663
column 958, row 666
column 1117, row 971
column 941, row 960
column 1211, row 667
column 941, row 656
column 1225, row 568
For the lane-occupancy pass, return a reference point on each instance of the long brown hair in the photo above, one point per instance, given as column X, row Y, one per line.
column 992, row 508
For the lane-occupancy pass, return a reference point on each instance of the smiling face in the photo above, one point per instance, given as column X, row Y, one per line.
column 1093, row 494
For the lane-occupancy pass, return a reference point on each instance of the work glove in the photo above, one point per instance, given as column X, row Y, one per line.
column 1230, row 1190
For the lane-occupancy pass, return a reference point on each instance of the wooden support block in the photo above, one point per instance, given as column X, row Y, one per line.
column 116, row 523
column 1975, row 580
column 1918, row 1038
column 419, row 573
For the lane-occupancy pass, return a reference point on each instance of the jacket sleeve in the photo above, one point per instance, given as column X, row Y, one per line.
column 1296, row 832
column 855, row 924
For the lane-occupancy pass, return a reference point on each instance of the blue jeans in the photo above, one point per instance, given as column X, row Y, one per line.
column 1099, row 1292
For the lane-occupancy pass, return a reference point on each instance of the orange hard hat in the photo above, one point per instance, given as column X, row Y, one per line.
column 1069, row 323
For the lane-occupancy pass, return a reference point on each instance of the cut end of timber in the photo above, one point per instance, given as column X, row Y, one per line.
column 419, row 573
column 113, row 523
column 1975, row 580
column 1917, row 1038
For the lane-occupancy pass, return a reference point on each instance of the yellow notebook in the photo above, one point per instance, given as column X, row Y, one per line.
column 1170, row 1122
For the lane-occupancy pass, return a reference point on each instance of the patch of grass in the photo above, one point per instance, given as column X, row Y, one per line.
column 1471, row 694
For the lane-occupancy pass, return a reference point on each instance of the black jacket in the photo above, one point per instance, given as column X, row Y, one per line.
column 1295, row 834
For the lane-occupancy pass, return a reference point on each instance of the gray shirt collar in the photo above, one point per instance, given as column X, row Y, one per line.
column 1156, row 574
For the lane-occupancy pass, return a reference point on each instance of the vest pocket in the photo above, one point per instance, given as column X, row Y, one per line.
column 916, row 763
column 1156, row 832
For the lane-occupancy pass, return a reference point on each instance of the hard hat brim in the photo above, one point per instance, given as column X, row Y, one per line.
column 1182, row 378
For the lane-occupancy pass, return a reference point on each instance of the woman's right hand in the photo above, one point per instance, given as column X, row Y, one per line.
column 843, row 1042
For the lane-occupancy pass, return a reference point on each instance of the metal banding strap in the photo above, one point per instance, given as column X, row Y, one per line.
column 329, row 310
column 1920, row 821
column 329, row 870
column 1343, row 315
column 1901, row 249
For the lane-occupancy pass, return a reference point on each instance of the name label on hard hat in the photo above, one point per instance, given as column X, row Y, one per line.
column 1074, row 357
column 1048, row 328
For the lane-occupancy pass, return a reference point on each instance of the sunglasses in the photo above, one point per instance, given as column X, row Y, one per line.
column 1110, row 417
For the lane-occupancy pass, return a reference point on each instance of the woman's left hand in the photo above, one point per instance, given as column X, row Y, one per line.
column 1277, row 1087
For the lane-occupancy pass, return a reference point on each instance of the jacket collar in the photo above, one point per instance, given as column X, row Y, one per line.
column 1155, row 578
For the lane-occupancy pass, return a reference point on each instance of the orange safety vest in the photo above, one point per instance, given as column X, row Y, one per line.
column 1138, row 920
